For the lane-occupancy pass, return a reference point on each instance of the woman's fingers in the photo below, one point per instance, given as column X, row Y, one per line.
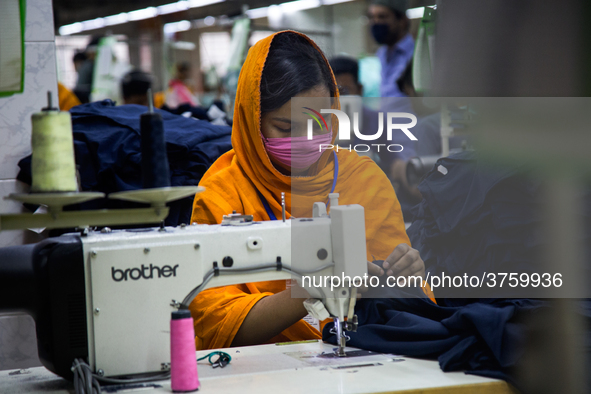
column 404, row 261
column 417, row 268
column 396, row 254
column 374, row 269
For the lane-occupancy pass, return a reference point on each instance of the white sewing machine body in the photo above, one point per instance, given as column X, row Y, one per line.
column 133, row 276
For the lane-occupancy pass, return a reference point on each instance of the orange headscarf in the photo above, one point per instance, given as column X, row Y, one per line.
column 233, row 183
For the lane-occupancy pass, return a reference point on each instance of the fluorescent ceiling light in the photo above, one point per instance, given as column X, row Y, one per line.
column 93, row 24
column 299, row 5
column 182, row 5
column 258, row 12
column 202, row 3
column 415, row 13
column 275, row 11
column 171, row 28
column 173, row 7
column 124, row 17
column 145, row 13
column 115, row 19
column 291, row 7
column 184, row 45
column 71, row 29
column 331, row 2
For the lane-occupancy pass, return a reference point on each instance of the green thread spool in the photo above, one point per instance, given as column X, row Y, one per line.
column 53, row 166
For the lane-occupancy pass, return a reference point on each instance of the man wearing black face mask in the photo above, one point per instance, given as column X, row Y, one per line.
column 389, row 27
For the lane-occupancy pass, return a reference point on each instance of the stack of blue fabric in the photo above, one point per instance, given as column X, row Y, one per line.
column 480, row 338
column 108, row 155
column 473, row 219
column 476, row 219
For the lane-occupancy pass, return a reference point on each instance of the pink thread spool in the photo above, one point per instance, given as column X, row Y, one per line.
column 183, row 361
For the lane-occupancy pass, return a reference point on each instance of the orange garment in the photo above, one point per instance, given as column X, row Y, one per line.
column 159, row 99
column 66, row 98
column 232, row 183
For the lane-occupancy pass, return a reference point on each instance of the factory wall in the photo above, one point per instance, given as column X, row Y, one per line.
column 15, row 111
column 18, row 347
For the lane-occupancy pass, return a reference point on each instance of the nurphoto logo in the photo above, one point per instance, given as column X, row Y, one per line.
column 344, row 133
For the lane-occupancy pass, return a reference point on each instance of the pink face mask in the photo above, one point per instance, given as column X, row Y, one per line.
column 297, row 152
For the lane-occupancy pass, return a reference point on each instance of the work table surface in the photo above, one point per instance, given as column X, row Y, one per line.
column 292, row 368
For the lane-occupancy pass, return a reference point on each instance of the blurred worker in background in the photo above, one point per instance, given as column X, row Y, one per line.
column 179, row 92
column 86, row 71
column 389, row 27
column 79, row 59
column 134, row 87
column 427, row 130
column 67, row 98
column 346, row 72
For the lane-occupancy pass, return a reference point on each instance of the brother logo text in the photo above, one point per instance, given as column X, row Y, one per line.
column 144, row 272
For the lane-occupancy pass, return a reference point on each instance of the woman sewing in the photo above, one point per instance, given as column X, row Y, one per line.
column 250, row 179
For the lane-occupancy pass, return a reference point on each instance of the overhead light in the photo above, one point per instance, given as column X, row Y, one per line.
column 173, row 7
column 209, row 21
column 415, row 13
column 299, row 5
column 289, row 7
column 184, row 45
column 174, row 27
column 202, row 3
column 145, row 13
column 331, row 2
column 275, row 13
column 93, row 24
column 114, row 19
column 71, row 29
column 258, row 13
column 141, row 14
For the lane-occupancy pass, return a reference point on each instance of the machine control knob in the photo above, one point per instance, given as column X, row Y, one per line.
column 228, row 261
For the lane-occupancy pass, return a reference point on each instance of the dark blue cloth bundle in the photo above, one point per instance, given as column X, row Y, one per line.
column 476, row 219
column 108, row 154
column 479, row 338
column 473, row 219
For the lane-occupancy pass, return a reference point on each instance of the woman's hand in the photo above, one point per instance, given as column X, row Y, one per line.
column 404, row 261
column 372, row 270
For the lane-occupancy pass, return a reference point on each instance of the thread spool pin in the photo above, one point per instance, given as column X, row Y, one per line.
column 155, row 170
column 49, row 103
column 150, row 101
column 334, row 199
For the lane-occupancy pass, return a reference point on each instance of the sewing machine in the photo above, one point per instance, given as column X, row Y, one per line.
column 107, row 296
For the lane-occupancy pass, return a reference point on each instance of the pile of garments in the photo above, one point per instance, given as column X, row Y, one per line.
column 473, row 219
column 108, row 156
column 481, row 338
column 214, row 114
column 476, row 219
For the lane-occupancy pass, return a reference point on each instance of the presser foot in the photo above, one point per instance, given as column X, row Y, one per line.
column 340, row 330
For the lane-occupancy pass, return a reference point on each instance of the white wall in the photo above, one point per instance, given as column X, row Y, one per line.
column 15, row 111
column 18, row 346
